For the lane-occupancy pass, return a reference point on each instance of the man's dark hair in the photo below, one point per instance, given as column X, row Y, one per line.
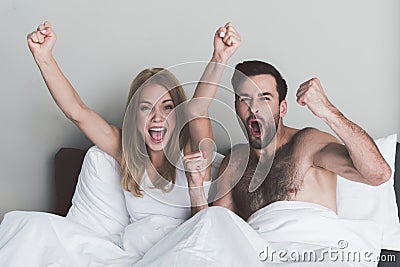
column 256, row 67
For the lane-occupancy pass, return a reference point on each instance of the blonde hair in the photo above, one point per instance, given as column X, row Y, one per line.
column 134, row 158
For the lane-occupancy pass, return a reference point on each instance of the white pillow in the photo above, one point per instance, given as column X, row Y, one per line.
column 99, row 201
column 364, row 202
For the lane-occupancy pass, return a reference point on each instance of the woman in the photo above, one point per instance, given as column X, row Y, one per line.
column 149, row 117
column 149, row 149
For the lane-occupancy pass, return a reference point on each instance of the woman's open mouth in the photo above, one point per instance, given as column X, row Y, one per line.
column 157, row 134
column 255, row 128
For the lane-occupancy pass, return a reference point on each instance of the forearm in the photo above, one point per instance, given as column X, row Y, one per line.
column 362, row 149
column 198, row 199
column 206, row 88
column 199, row 123
column 59, row 87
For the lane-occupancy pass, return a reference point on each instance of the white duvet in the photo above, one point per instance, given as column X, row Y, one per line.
column 283, row 233
column 42, row 239
column 213, row 237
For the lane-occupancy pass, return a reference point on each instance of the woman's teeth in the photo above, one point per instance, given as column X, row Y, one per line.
column 157, row 129
column 157, row 134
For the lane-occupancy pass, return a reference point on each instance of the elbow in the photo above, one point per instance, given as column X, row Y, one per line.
column 197, row 108
column 75, row 114
column 384, row 173
column 194, row 110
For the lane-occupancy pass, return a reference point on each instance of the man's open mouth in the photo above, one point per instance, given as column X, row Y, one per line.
column 255, row 127
column 157, row 134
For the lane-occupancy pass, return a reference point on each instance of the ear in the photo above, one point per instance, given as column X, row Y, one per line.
column 283, row 108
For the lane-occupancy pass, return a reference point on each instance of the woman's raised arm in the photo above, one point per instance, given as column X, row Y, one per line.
column 226, row 42
column 107, row 137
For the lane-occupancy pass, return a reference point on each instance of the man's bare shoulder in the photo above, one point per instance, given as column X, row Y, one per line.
column 238, row 150
column 317, row 135
column 238, row 153
column 312, row 139
column 241, row 148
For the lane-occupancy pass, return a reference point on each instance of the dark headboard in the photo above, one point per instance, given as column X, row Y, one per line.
column 397, row 177
column 67, row 164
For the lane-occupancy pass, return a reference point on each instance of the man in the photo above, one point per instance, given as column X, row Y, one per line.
column 293, row 164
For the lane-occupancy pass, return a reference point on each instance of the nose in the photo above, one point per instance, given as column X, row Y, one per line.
column 253, row 107
column 156, row 115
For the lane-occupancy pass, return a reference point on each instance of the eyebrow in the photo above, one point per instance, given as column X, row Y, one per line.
column 265, row 94
column 260, row 94
column 148, row 102
column 242, row 94
column 167, row 100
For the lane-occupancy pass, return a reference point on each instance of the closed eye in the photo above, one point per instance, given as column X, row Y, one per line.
column 244, row 99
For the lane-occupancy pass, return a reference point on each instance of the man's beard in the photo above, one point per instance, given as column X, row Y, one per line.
column 267, row 136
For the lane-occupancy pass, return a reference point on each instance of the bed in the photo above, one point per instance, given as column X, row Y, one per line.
column 68, row 163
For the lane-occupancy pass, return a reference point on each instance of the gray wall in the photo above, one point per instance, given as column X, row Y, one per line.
column 352, row 46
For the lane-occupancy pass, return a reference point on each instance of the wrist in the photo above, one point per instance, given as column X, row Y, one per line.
column 331, row 114
column 218, row 59
column 44, row 59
